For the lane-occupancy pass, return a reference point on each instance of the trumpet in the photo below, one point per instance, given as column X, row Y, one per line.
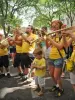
column 68, row 28
column 54, row 32
column 4, row 42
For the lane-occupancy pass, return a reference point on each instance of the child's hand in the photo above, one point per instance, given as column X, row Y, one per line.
column 40, row 67
column 33, row 65
column 37, row 67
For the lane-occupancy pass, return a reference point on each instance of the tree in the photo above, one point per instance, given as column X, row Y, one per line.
column 67, row 7
column 45, row 12
column 8, row 8
column 48, row 10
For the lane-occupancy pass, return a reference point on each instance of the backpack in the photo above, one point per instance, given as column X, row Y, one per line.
column 69, row 51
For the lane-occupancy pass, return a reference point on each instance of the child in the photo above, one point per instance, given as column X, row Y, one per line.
column 40, row 71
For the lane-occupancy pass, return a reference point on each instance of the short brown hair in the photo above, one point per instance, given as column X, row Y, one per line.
column 38, row 51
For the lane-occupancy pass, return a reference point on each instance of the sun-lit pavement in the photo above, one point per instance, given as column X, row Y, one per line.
column 13, row 89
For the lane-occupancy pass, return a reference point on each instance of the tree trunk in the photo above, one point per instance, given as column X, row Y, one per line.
column 71, row 21
column 4, row 30
column 8, row 30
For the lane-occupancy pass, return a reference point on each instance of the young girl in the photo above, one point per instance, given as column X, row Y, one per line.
column 56, row 62
column 40, row 71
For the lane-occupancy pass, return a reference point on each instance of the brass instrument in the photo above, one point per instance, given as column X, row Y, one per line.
column 54, row 32
column 4, row 42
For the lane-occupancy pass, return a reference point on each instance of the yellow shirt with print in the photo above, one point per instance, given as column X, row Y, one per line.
column 3, row 51
column 54, row 53
column 73, row 53
column 73, row 56
column 40, row 63
column 26, row 47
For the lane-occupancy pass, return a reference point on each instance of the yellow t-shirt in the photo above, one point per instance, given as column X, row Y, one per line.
column 73, row 56
column 3, row 51
column 18, row 49
column 54, row 53
column 40, row 62
column 73, row 53
column 26, row 47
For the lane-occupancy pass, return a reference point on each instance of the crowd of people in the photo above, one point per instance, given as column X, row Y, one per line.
column 38, row 51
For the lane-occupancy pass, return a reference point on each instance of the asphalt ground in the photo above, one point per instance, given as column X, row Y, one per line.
column 15, row 89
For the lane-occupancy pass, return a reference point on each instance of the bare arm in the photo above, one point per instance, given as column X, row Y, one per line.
column 66, row 41
column 72, row 36
column 18, row 42
column 40, row 67
column 24, row 36
column 57, row 45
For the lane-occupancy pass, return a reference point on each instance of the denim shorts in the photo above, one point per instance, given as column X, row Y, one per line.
column 56, row 62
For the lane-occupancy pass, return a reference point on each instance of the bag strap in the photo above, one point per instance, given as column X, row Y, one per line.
column 60, row 53
column 59, row 50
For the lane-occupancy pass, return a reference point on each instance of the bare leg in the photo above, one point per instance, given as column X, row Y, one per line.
column 73, row 87
column 57, row 76
column 51, row 70
column 20, row 69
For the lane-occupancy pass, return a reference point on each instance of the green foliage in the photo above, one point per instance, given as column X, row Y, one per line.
column 42, row 2
column 8, row 9
column 40, row 21
column 45, row 11
column 16, row 21
column 54, row 9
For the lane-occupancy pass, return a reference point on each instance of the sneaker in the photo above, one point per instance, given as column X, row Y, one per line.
column 21, row 74
column 40, row 93
column 53, row 89
column 8, row 75
column 24, row 78
column 59, row 92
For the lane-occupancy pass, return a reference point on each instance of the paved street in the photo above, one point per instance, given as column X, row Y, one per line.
column 13, row 89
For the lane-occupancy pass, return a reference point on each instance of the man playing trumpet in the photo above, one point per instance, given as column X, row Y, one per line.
column 4, row 61
column 17, row 42
column 27, row 49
